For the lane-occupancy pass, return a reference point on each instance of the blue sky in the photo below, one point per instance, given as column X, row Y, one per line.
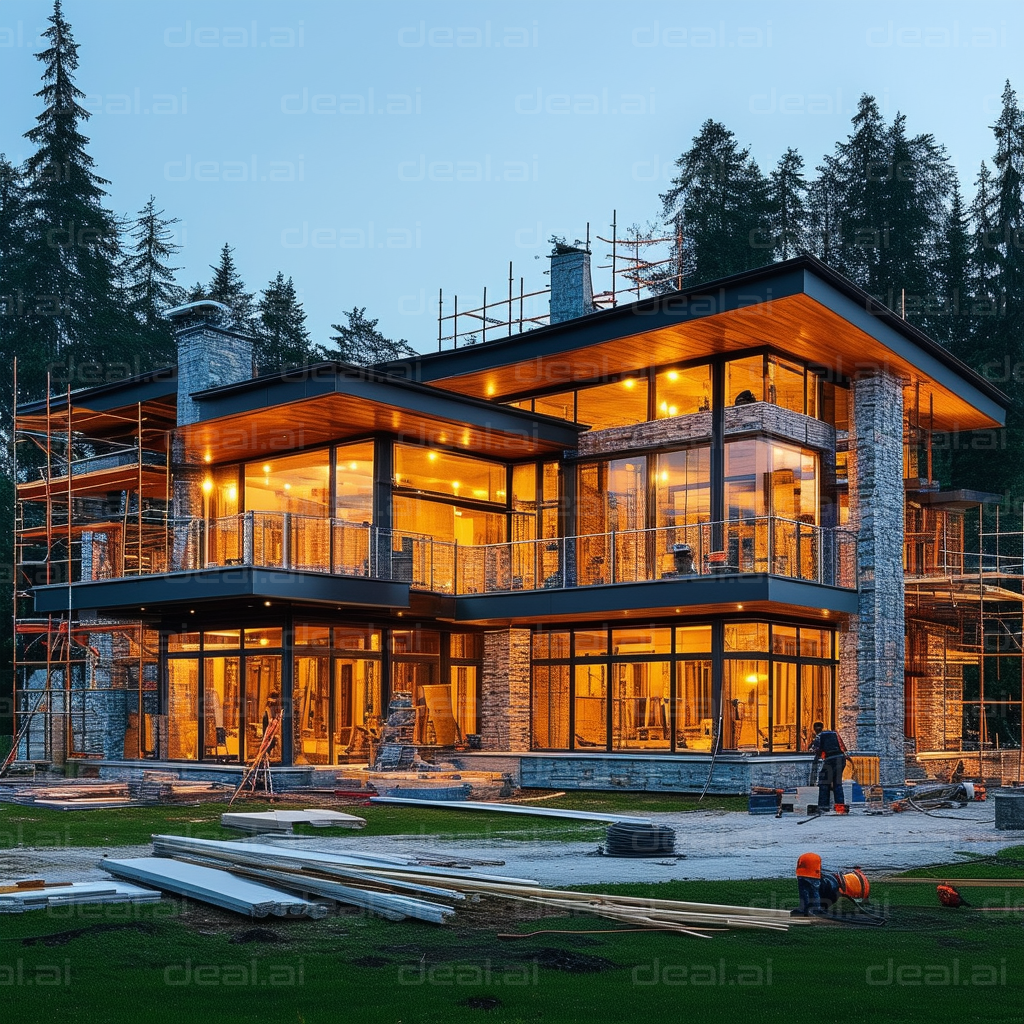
column 378, row 152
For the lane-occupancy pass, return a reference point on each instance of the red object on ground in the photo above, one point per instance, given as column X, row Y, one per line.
column 949, row 897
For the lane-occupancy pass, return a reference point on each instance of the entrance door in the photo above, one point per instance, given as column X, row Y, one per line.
column 357, row 708
column 262, row 701
column 182, row 709
column 311, row 698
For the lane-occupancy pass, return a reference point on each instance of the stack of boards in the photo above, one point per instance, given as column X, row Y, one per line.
column 39, row 895
column 259, row 879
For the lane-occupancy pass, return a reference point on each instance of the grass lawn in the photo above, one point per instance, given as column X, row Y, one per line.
column 185, row 963
column 132, row 826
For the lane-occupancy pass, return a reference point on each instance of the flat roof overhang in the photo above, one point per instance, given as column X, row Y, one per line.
column 753, row 593
column 110, row 408
column 152, row 595
column 334, row 402
column 800, row 307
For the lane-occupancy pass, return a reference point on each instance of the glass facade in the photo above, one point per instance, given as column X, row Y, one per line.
column 682, row 390
column 651, row 688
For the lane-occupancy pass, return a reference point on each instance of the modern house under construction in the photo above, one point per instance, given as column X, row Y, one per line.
column 599, row 553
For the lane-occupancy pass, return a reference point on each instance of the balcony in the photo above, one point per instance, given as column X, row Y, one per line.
column 765, row 545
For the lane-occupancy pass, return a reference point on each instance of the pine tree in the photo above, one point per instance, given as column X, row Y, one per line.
column 788, row 190
column 863, row 164
column 283, row 338
column 721, row 200
column 361, row 343
column 73, row 305
column 951, row 324
column 825, row 212
column 149, row 279
column 227, row 286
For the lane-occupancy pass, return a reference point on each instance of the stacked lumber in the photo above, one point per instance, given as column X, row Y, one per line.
column 70, row 795
column 281, row 822
column 164, row 788
column 212, row 886
column 397, row 888
column 40, row 895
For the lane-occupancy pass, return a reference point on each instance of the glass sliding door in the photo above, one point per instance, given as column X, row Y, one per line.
column 262, row 702
column 183, row 709
column 311, row 697
column 641, row 693
column 357, row 708
column 591, row 707
column 221, row 692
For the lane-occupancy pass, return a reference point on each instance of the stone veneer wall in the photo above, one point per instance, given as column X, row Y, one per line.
column 505, row 690
column 872, row 649
column 757, row 418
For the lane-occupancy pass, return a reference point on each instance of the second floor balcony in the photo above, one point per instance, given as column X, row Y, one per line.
column 764, row 545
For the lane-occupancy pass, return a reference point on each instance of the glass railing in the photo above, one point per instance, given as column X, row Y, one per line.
column 281, row 540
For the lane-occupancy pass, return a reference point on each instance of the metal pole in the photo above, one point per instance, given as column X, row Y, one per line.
column 440, row 310
column 510, row 298
column 614, row 243
column 455, row 324
column 483, row 336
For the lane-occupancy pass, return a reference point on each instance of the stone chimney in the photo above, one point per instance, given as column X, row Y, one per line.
column 210, row 354
column 572, row 293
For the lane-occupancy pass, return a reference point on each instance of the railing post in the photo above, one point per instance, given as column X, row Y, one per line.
column 611, row 555
column 248, row 538
column 430, row 555
column 456, row 589
column 286, row 540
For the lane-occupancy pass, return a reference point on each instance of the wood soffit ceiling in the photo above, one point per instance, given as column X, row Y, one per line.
column 797, row 325
column 330, row 418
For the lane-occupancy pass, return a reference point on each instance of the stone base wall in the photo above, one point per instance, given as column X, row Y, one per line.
column 505, row 690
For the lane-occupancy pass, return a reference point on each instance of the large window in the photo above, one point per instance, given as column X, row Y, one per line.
column 649, row 688
column 776, row 682
column 453, row 476
column 337, row 699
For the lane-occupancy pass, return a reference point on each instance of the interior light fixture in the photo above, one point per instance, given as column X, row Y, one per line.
column 629, row 383
column 207, row 485
column 672, row 375
column 752, row 680
column 432, row 456
column 266, row 604
column 266, row 467
column 232, row 492
column 207, row 457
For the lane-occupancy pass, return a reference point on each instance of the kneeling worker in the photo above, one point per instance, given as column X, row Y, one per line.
column 808, row 883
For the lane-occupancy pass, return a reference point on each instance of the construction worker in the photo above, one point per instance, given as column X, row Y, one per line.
column 828, row 747
column 808, row 883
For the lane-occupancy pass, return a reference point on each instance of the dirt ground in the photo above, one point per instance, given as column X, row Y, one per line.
column 714, row 845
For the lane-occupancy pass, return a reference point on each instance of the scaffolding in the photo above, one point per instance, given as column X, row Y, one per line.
column 514, row 309
column 964, row 580
column 93, row 494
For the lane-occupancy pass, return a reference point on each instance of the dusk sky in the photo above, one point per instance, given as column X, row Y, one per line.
column 379, row 152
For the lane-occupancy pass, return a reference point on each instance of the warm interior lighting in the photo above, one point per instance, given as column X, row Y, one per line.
column 266, row 604
column 207, row 485
column 264, row 642
column 432, row 456
column 455, row 485
column 490, row 389
column 752, row 680
column 629, row 383
column 672, row 375
column 232, row 492
column 287, row 487
column 266, row 467
column 207, row 457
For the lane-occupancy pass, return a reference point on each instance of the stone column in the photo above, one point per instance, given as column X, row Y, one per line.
column 872, row 651
column 505, row 690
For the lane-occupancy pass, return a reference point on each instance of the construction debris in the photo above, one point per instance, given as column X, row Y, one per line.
column 540, row 812
column 210, row 885
column 91, row 795
column 281, row 822
column 624, row 840
column 41, row 895
column 395, row 888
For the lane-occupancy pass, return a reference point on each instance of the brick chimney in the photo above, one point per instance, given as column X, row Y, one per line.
column 210, row 354
column 572, row 292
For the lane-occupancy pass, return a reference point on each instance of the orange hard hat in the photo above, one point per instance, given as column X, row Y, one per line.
column 853, row 883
